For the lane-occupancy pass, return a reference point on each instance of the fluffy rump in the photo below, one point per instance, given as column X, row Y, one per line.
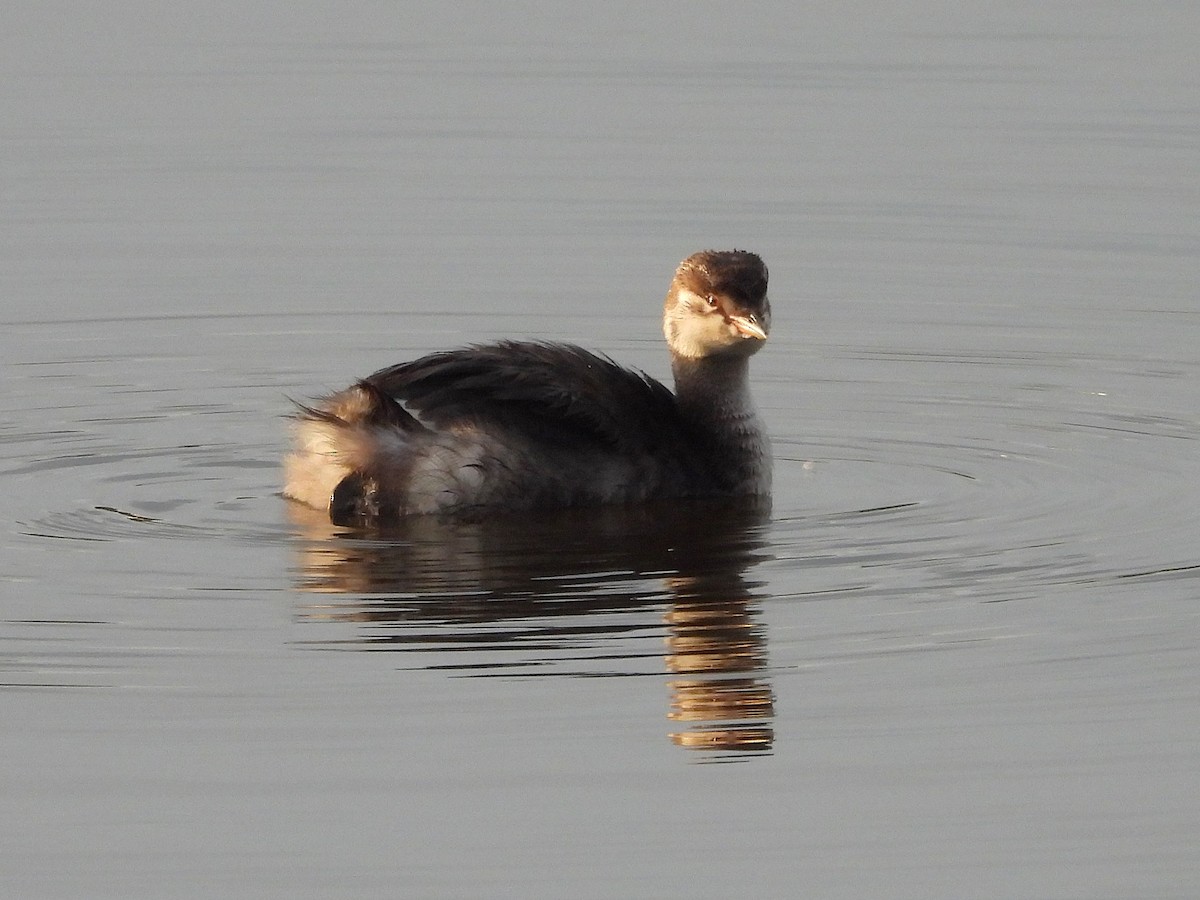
column 355, row 430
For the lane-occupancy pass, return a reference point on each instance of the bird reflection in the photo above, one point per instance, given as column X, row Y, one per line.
column 555, row 586
column 714, row 640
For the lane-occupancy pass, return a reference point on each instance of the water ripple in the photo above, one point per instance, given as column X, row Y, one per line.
column 976, row 476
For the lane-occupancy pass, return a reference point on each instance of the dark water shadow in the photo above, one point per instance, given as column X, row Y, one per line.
column 567, row 593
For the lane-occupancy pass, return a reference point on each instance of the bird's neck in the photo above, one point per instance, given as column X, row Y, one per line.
column 714, row 394
column 713, row 389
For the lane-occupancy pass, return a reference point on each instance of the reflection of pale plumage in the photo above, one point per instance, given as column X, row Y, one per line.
column 521, row 425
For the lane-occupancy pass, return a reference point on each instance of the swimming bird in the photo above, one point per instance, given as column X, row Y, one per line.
column 520, row 425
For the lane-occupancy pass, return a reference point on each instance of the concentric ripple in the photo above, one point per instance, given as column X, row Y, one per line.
column 971, row 477
column 997, row 489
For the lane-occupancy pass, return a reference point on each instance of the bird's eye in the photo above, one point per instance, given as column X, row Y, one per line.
column 710, row 300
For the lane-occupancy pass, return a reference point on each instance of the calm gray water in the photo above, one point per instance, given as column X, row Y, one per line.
column 959, row 657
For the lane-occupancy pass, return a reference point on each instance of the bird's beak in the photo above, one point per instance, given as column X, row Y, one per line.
column 747, row 326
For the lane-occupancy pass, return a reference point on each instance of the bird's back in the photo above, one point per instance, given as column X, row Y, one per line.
column 514, row 425
column 559, row 393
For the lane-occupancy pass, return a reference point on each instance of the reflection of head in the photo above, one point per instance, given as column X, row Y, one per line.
column 719, row 644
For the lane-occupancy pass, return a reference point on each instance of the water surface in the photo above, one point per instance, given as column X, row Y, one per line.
column 956, row 657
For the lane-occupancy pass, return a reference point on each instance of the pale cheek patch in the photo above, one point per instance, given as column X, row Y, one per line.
column 686, row 325
column 694, row 329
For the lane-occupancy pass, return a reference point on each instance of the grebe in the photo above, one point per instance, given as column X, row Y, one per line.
column 526, row 425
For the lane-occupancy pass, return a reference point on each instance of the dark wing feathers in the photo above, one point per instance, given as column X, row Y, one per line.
column 551, row 390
